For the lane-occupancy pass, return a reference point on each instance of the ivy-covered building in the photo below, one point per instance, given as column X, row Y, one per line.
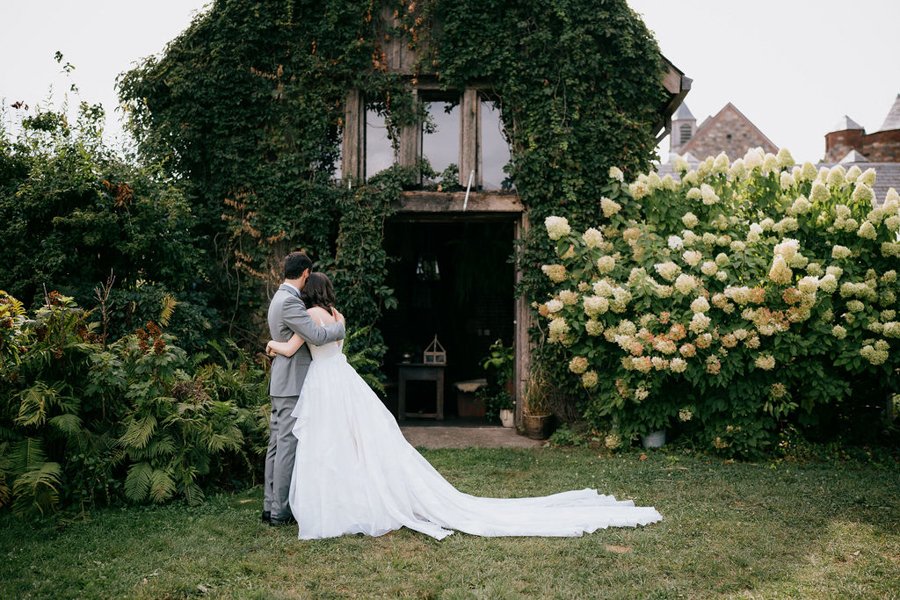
column 408, row 146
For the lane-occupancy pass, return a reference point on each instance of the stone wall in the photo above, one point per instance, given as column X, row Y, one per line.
column 881, row 146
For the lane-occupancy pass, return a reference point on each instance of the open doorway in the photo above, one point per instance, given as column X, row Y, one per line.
column 453, row 279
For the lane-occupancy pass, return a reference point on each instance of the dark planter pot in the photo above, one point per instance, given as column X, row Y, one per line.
column 537, row 427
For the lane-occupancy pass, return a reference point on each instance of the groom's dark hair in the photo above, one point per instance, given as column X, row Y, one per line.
column 294, row 265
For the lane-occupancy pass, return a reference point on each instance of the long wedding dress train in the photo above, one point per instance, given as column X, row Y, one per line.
column 356, row 473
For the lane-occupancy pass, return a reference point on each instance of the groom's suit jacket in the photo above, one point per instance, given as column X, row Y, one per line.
column 287, row 316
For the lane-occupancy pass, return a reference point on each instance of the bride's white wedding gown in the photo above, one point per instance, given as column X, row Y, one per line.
column 356, row 473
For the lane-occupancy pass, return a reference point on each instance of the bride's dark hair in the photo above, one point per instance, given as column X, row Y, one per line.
column 318, row 291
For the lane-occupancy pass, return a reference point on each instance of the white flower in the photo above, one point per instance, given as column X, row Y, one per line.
column 800, row 206
column 819, row 193
column 554, row 306
column 838, row 252
column 839, row 332
column 766, row 362
column 568, row 297
column 675, row 242
column 605, row 264
column 694, row 194
column 867, row 231
column 754, row 158
column 788, row 248
column 780, row 273
column 692, row 257
column 685, row 284
column 690, row 220
column 616, row 173
column 667, row 270
column 828, row 284
column 784, row 159
column 678, row 365
column 787, row 181
column 593, row 327
column 738, row 246
column 700, row 305
column 595, row 305
column 556, row 273
column 868, row 177
column 709, row 268
column 863, row 193
column 835, row 177
column 557, row 227
column 578, row 365
column 690, row 238
column 808, row 285
column 708, row 194
column 699, row 323
column 590, row 379
column 592, row 238
column 609, row 207
column 603, row 288
column 558, row 329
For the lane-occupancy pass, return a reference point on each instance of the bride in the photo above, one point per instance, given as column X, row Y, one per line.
column 356, row 473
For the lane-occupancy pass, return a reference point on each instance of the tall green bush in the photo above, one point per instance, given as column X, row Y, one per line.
column 737, row 298
column 73, row 212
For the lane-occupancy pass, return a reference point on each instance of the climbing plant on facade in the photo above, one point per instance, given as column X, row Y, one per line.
column 246, row 106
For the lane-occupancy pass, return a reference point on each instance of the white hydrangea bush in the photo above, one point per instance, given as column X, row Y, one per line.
column 740, row 293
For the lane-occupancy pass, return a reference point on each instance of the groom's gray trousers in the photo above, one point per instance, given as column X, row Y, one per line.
column 287, row 316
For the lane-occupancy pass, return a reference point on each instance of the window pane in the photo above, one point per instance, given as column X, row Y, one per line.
column 494, row 148
column 379, row 151
column 440, row 145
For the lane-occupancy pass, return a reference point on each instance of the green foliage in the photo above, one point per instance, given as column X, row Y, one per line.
column 84, row 424
column 246, row 108
column 95, row 213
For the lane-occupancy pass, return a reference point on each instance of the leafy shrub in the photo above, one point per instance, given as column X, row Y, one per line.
column 83, row 423
column 744, row 295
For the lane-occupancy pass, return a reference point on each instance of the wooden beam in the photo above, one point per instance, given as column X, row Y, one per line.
column 353, row 158
column 453, row 202
column 468, row 138
column 522, row 341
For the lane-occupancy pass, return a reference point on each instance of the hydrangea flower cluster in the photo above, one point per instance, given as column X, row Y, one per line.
column 757, row 268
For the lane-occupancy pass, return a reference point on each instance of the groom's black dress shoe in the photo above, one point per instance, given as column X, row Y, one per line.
column 276, row 522
column 266, row 516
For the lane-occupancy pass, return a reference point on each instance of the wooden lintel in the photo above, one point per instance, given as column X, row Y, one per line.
column 453, row 202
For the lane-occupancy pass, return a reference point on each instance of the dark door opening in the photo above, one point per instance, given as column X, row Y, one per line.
column 454, row 280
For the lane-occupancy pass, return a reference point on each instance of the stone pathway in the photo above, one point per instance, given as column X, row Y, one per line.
column 440, row 436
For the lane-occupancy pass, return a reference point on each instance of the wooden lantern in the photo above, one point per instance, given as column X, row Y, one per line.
column 435, row 353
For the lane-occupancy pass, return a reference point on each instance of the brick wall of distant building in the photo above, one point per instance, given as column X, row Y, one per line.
column 881, row 146
column 730, row 134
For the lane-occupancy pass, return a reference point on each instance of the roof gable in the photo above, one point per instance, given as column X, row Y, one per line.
column 729, row 131
column 892, row 121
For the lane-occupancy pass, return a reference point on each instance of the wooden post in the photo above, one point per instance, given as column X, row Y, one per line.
column 353, row 150
column 523, row 324
column 411, row 139
column 469, row 136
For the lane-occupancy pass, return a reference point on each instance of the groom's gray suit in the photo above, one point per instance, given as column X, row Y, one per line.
column 287, row 316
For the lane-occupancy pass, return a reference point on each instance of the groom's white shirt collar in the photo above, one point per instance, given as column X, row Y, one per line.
column 292, row 287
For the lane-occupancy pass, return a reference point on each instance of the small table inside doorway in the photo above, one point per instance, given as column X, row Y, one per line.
column 420, row 372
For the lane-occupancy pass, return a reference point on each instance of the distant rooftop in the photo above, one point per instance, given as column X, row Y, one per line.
column 683, row 112
column 892, row 121
column 846, row 123
column 853, row 157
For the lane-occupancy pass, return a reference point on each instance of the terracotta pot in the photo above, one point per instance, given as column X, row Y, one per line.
column 537, row 427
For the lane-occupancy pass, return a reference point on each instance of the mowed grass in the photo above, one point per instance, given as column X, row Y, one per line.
column 730, row 530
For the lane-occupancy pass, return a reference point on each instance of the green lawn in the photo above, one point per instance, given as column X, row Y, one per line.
column 730, row 530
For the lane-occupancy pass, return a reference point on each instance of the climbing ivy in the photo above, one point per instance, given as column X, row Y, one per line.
column 246, row 107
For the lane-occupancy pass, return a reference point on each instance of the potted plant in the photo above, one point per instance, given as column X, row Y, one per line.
column 536, row 418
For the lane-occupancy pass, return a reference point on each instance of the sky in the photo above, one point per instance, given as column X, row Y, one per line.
column 793, row 67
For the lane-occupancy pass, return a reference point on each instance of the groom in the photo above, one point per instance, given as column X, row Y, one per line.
column 287, row 316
